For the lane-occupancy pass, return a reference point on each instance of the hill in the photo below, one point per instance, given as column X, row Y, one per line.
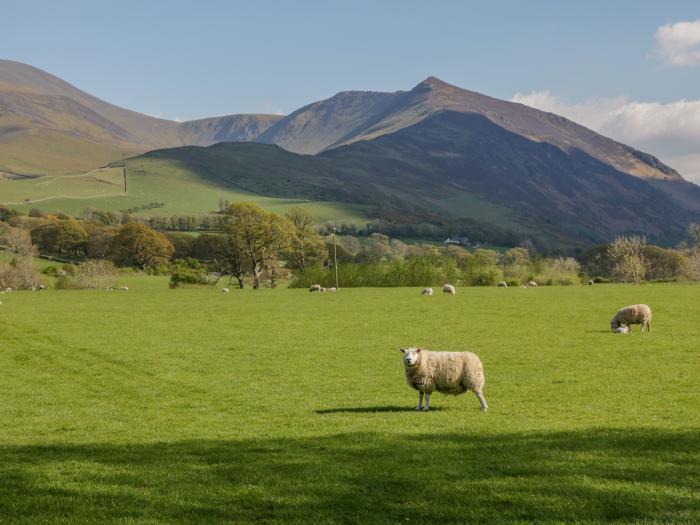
column 50, row 127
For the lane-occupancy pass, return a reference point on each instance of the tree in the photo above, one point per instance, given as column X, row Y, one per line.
column 18, row 243
column 95, row 274
column 262, row 235
column 223, row 253
column 64, row 237
column 627, row 254
column 306, row 246
column 139, row 246
column 694, row 233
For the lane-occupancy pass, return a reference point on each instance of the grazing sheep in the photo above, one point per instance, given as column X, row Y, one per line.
column 427, row 291
column 315, row 288
column 523, row 286
column 502, row 284
column 333, row 289
column 532, row 283
column 225, row 290
column 448, row 288
column 124, row 288
column 590, row 282
column 622, row 329
column 445, row 372
column 323, row 289
column 41, row 287
column 634, row 314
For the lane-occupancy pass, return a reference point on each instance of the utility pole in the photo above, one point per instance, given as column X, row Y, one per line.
column 335, row 260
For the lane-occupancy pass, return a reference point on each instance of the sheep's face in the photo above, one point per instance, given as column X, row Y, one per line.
column 622, row 329
column 410, row 356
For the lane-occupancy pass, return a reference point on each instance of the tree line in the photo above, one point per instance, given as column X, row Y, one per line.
column 254, row 245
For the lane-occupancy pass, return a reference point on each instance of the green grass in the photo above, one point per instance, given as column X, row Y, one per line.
column 272, row 406
column 180, row 190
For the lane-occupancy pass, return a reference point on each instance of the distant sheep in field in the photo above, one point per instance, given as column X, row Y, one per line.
column 448, row 288
column 502, row 284
column 225, row 290
column 523, row 286
column 427, row 291
column 315, row 288
column 532, row 283
column 590, row 282
column 41, row 287
column 124, row 288
column 445, row 372
column 333, row 289
column 8, row 290
column 634, row 314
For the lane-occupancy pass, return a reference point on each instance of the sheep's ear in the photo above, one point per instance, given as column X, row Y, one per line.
column 403, row 350
column 418, row 349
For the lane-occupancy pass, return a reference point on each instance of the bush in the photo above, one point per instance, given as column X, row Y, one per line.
column 513, row 282
column 20, row 275
column 484, row 277
column 95, row 274
column 189, row 272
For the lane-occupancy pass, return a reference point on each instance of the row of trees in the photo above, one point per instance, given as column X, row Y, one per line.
column 256, row 244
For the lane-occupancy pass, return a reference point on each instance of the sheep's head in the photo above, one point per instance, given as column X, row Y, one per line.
column 410, row 356
column 622, row 329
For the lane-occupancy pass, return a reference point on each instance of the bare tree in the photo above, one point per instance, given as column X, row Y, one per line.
column 627, row 254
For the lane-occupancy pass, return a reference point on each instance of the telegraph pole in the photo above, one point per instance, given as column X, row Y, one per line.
column 335, row 260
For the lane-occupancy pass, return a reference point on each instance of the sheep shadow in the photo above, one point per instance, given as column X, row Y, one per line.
column 371, row 410
column 584, row 476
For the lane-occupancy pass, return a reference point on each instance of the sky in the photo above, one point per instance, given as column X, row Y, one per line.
column 628, row 69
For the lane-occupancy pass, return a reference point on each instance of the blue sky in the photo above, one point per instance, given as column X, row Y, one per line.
column 187, row 60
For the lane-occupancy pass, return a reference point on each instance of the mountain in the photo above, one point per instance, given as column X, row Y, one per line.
column 49, row 126
column 451, row 167
column 436, row 153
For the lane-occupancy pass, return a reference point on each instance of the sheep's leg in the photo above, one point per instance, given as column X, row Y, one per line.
column 420, row 401
column 427, row 402
column 482, row 401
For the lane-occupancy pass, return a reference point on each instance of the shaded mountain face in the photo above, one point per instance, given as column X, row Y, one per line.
column 49, row 126
column 454, row 166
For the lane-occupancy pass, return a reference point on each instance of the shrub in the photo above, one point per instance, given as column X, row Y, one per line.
column 20, row 275
column 95, row 274
column 188, row 272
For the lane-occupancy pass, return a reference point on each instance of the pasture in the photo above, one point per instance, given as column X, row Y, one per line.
column 281, row 406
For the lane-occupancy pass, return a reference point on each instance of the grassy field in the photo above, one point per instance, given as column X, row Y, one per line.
column 280, row 406
column 180, row 191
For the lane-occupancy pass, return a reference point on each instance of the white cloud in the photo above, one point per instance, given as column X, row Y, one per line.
column 679, row 44
column 669, row 131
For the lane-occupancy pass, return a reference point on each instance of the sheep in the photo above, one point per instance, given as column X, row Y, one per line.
column 622, row 329
column 124, row 288
column 8, row 290
column 333, row 289
column 445, row 372
column 523, row 286
column 590, row 282
column 532, row 283
column 225, row 290
column 448, row 288
column 315, row 288
column 634, row 314
column 42, row 287
column 427, row 291
column 323, row 289
column 502, row 284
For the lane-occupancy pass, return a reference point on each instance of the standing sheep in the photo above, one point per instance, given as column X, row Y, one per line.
column 448, row 288
column 315, row 288
column 590, row 282
column 634, row 314
column 445, row 372
column 333, row 289
column 225, row 290
column 427, row 291
column 532, row 283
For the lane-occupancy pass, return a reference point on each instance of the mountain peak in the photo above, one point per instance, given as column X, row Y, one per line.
column 432, row 83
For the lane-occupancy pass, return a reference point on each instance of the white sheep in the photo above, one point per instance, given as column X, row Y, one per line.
column 225, row 290
column 333, row 289
column 8, row 290
column 445, row 372
column 124, row 288
column 502, row 284
column 427, row 291
column 633, row 314
column 448, row 288
column 590, row 282
column 315, row 288
column 523, row 286
column 532, row 283
column 622, row 329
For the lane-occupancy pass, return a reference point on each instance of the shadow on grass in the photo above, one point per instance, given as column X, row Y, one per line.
column 370, row 410
column 593, row 476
